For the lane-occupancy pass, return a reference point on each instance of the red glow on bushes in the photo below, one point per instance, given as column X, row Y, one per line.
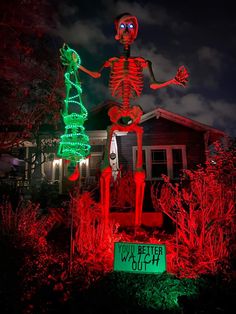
column 202, row 208
column 93, row 239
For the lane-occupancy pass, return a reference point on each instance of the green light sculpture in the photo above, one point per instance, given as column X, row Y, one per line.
column 74, row 144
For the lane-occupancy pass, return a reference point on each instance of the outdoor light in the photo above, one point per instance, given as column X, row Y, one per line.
column 56, row 162
column 84, row 162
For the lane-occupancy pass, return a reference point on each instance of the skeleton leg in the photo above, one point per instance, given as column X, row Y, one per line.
column 139, row 178
column 105, row 178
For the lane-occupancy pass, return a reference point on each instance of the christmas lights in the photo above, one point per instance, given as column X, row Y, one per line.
column 74, row 144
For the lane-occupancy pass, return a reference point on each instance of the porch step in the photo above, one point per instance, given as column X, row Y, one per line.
column 149, row 219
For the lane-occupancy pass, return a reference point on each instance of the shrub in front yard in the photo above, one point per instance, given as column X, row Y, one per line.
column 202, row 207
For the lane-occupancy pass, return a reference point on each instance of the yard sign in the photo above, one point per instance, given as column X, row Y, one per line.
column 139, row 257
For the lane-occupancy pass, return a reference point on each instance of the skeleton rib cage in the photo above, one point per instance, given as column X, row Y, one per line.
column 126, row 78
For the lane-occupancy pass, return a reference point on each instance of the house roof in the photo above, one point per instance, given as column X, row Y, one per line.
column 214, row 134
column 99, row 120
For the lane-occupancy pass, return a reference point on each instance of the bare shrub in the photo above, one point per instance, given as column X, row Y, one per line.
column 202, row 207
column 23, row 225
column 93, row 240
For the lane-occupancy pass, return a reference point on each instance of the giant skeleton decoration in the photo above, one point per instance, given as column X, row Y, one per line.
column 126, row 83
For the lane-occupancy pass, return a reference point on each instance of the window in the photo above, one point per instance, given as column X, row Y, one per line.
column 158, row 163
column 168, row 160
column 177, row 162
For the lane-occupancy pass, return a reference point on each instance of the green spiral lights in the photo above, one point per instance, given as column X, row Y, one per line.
column 74, row 143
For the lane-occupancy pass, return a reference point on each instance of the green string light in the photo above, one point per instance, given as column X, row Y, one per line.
column 74, row 144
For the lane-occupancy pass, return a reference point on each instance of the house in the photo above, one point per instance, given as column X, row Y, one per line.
column 171, row 143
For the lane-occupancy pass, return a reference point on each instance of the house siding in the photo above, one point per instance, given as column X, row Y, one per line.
column 164, row 132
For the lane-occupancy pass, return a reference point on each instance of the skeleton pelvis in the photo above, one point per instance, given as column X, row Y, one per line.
column 124, row 117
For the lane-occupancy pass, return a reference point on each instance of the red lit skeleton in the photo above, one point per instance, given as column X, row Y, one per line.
column 126, row 82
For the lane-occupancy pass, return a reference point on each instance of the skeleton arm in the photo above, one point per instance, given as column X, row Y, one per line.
column 181, row 78
column 95, row 74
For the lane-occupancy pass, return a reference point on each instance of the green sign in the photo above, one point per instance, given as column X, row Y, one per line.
column 139, row 257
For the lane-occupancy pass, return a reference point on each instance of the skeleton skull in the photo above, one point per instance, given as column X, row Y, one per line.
column 126, row 28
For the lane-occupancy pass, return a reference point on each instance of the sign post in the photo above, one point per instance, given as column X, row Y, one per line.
column 142, row 258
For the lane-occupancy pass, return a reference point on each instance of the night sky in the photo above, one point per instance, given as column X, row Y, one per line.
column 199, row 35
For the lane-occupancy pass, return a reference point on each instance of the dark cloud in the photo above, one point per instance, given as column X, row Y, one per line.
column 86, row 34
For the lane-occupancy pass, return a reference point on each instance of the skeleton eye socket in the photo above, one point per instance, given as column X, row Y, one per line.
column 131, row 25
column 122, row 25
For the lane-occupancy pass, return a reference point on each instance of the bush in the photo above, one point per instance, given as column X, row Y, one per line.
column 202, row 206
column 93, row 240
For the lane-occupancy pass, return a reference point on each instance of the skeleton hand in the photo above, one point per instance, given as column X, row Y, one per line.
column 181, row 77
column 69, row 57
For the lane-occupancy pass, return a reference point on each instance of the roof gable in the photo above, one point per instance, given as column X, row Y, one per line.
column 214, row 134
